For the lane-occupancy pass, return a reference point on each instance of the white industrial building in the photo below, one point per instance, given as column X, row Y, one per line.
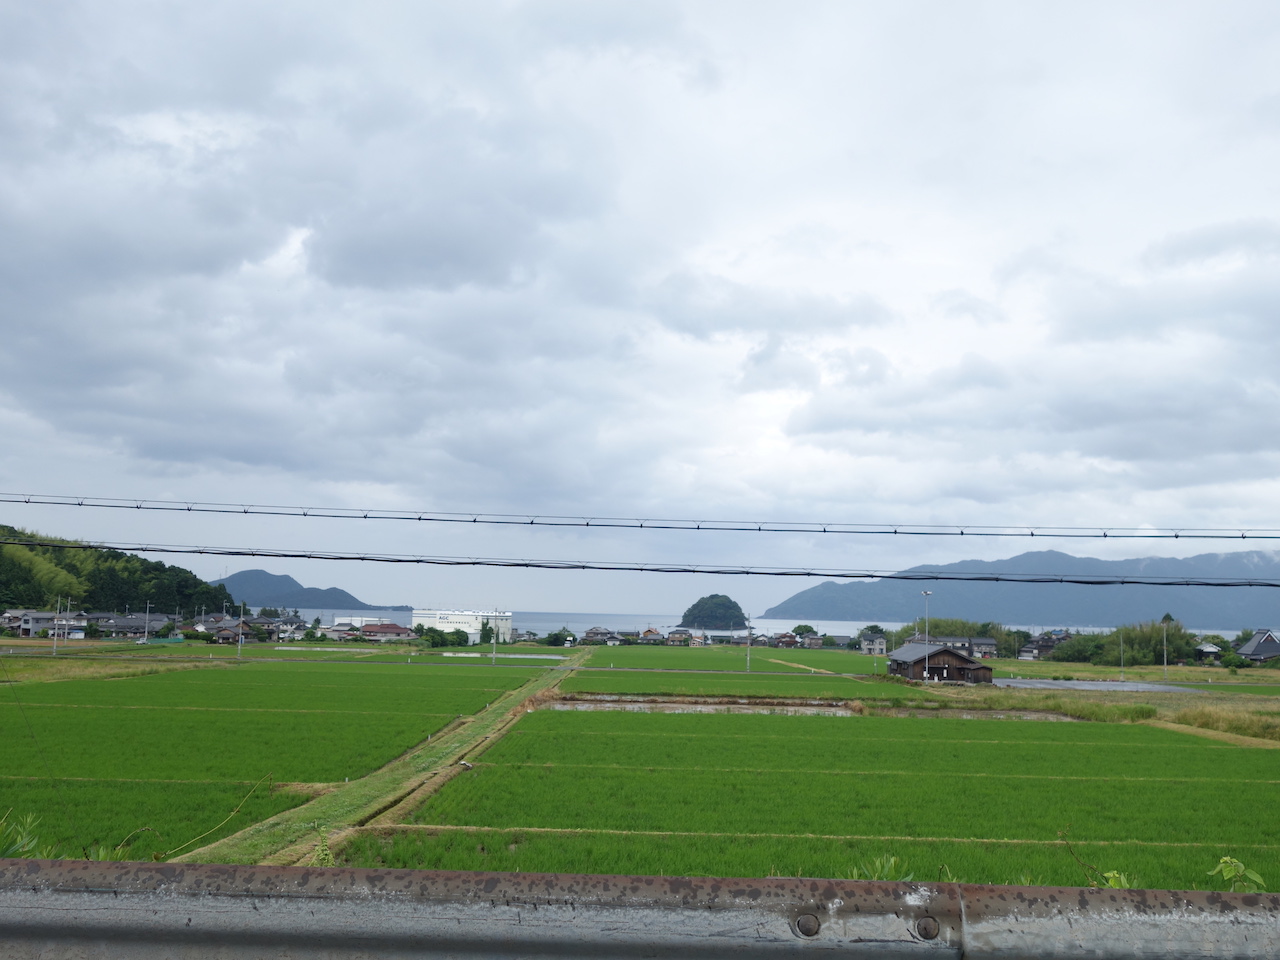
column 469, row 621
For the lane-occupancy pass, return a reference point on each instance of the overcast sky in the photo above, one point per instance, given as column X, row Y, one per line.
column 911, row 262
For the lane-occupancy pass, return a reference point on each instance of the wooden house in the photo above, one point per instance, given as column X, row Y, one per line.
column 926, row 661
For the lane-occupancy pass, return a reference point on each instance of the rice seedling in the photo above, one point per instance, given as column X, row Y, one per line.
column 1178, row 867
column 726, row 795
column 817, row 686
column 139, row 766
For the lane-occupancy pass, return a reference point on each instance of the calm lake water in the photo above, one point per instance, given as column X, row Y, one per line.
column 543, row 623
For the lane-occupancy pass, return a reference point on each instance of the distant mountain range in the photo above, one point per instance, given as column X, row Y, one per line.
column 1059, row 604
column 257, row 588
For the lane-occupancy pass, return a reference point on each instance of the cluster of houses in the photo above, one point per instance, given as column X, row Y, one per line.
column 682, row 637
column 1262, row 646
column 940, row 658
column 78, row 624
column 230, row 628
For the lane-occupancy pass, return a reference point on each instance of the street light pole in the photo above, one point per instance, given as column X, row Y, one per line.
column 1166, row 648
column 926, row 594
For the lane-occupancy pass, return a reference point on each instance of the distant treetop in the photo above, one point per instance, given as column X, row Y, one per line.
column 716, row 612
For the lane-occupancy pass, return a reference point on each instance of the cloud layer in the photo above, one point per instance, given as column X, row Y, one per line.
column 921, row 263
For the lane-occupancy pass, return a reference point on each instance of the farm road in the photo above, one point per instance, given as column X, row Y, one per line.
column 291, row 836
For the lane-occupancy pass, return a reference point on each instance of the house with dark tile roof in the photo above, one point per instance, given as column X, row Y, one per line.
column 1263, row 645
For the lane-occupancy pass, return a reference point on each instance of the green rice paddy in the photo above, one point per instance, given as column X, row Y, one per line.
column 1253, row 689
column 169, row 756
column 753, row 795
column 176, row 752
column 672, row 683
column 727, row 658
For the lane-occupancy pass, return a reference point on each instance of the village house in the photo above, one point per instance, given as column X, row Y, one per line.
column 1263, row 645
column 385, row 631
column 229, row 630
column 1208, row 651
column 291, row 628
column 874, row 644
column 1040, row 647
column 980, row 647
column 928, row 661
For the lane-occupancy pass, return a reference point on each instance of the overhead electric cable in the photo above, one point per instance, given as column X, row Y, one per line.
column 641, row 567
column 1031, row 531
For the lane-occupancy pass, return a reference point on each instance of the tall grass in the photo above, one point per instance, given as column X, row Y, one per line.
column 1244, row 723
column 18, row 668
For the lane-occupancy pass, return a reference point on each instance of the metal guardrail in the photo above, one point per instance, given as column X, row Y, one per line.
column 99, row 911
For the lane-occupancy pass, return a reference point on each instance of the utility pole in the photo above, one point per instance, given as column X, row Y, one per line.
column 146, row 623
column 748, row 646
column 926, row 594
column 239, row 633
column 57, row 609
column 1165, row 624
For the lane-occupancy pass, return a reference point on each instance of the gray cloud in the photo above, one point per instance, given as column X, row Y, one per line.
column 595, row 257
column 1248, row 240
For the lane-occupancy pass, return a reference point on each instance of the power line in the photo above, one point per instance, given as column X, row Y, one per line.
column 640, row 567
column 1030, row 531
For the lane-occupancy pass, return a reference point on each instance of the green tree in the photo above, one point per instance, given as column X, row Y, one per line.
column 714, row 612
column 96, row 578
column 802, row 630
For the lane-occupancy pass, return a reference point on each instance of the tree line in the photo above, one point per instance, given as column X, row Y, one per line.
column 38, row 577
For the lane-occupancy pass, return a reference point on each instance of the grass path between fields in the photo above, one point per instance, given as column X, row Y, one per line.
column 291, row 836
column 802, row 666
column 1235, row 738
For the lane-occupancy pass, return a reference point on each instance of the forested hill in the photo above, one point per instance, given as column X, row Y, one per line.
column 97, row 579
column 1060, row 604
column 261, row 589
